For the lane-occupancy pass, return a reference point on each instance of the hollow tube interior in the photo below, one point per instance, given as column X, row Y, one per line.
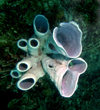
column 34, row 43
column 26, row 84
column 77, row 65
column 41, row 24
column 23, row 66
column 70, row 38
column 15, row 74
column 69, row 83
column 22, row 43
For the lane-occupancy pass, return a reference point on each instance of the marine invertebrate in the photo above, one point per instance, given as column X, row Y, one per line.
column 64, row 75
column 64, row 70
column 68, row 37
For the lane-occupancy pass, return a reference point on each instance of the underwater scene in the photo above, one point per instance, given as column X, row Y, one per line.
column 49, row 54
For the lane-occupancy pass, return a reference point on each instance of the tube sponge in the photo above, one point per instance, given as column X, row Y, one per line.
column 24, row 65
column 41, row 26
column 22, row 44
column 64, row 76
column 55, row 54
column 29, row 79
column 68, row 37
column 15, row 74
column 33, row 46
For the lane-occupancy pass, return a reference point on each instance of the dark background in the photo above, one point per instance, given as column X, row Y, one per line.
column 16, row 18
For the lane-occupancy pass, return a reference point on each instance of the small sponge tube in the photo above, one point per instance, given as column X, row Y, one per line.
column 29, row 79
column 22, row 44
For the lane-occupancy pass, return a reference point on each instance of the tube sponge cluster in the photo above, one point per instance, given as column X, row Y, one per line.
column 56, row 54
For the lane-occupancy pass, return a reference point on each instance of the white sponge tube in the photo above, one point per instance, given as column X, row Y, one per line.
column 33, row 46
column 15, row 73
column 22, row 44
column 64, row 76
column 24, row 65
column 29, row 79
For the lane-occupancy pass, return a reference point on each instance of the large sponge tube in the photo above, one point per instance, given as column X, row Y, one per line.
column 41, row 26
column 68, row 38
column 63, row 75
